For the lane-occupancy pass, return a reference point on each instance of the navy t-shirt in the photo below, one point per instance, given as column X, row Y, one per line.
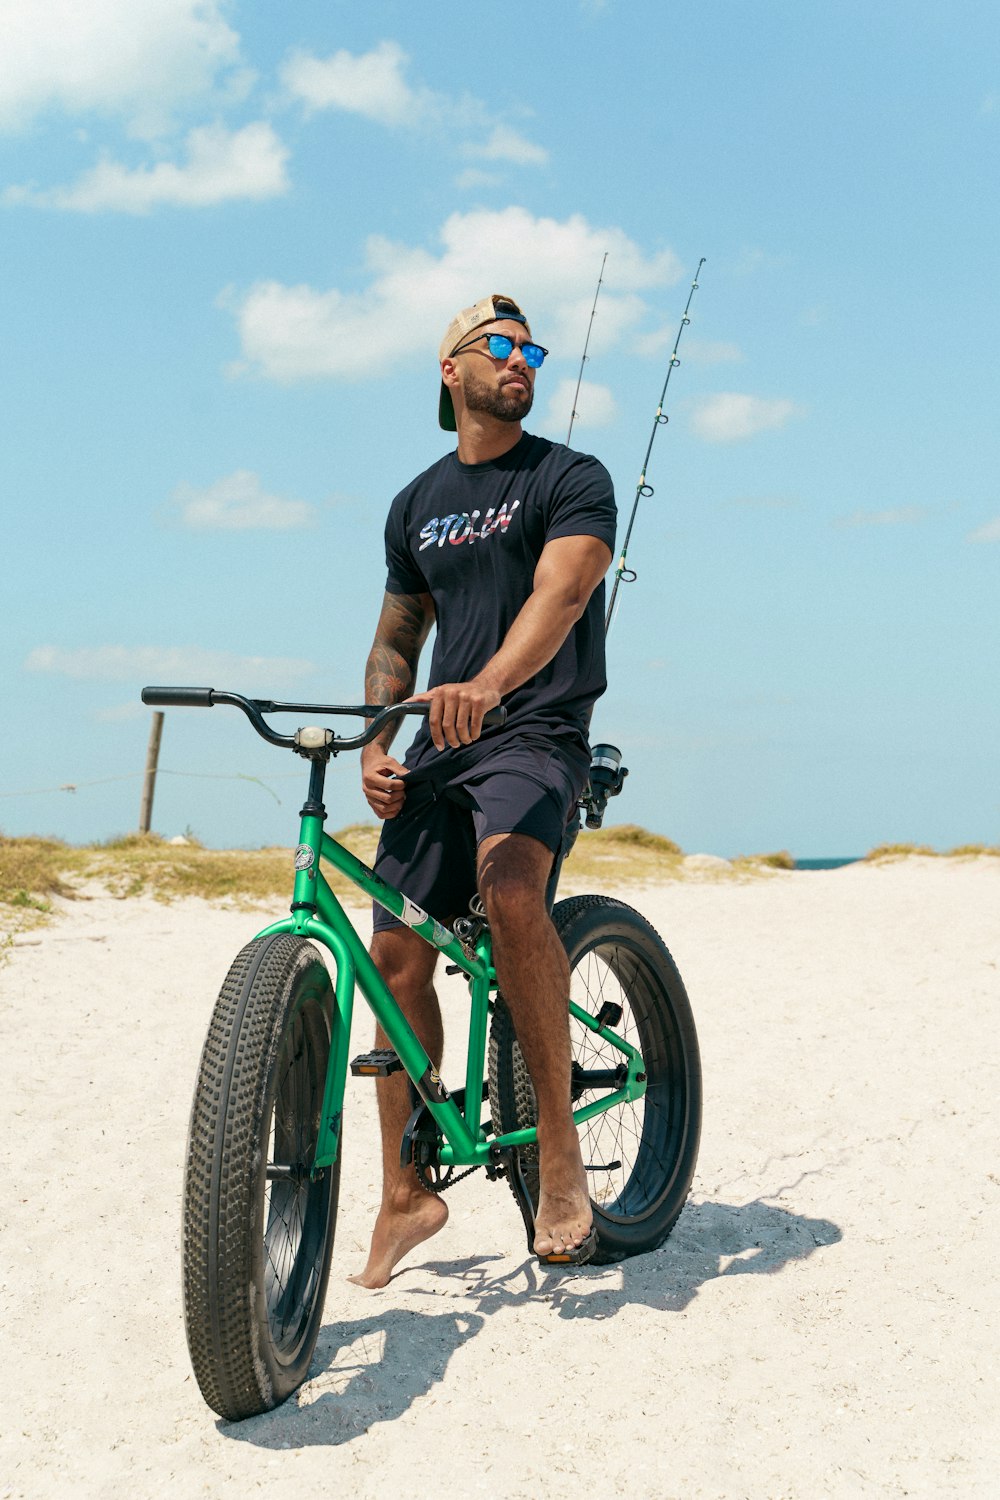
column 470, row 535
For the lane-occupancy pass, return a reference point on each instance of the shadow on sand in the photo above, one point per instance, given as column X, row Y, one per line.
column 372, row 1369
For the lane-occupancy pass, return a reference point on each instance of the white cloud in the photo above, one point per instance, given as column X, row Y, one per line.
column 239, row 502
column 221, row 165
column 374, row 85
column 988, row 533
column 506, row 144
column 371, row 84
column 730, row 417
column 900, row 515
column 191, row 665
column 140, row 59
column 292, row 333
column 595, row 406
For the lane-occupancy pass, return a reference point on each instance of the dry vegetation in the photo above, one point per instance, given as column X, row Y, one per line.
column 34, row 870
column 904, row 851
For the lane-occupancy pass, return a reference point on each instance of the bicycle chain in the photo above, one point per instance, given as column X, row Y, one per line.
column 441, row 1186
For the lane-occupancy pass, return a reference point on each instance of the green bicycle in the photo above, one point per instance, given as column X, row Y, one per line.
column 262, row 1173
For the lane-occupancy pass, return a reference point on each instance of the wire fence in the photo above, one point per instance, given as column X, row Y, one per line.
column 76, row 786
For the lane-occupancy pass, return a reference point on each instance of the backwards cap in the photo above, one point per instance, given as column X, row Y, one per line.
column 494, row 309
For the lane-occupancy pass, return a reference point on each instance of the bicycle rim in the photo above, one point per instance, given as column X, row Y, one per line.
column 296, row 1204
column 630, row 1151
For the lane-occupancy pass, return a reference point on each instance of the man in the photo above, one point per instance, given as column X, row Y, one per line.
column 503, row 545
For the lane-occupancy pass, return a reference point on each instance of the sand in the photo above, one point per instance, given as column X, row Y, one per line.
column 822, row 1322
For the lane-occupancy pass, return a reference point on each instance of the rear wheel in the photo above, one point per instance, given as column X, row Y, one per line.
column 640, row 1156
column 258, row 1221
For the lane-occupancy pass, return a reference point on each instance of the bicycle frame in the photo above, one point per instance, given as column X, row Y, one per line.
column 316, row 913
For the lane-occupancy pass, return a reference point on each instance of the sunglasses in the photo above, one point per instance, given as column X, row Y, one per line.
column 502, row 347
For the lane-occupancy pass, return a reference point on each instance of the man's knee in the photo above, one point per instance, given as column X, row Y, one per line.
column 513, row 873
column 404, row 960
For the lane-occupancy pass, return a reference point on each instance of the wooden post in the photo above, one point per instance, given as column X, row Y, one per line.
column 149, row 781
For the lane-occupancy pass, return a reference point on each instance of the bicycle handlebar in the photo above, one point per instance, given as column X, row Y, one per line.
column 256, row 708
column 178, row 697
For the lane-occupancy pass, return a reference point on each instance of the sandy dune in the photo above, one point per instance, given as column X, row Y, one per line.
column 821, row 1323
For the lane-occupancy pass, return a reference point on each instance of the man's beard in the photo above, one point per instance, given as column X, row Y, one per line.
column 507, row 403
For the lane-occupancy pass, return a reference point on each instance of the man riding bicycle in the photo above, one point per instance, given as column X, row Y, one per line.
column 503, row 545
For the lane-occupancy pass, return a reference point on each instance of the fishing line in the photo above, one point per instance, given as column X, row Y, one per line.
column 625, row 574
column 586, row 346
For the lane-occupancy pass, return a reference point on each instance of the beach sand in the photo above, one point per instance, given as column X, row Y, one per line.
column 822, row 1321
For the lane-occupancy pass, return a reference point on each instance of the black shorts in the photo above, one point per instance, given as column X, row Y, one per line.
column 429, row 850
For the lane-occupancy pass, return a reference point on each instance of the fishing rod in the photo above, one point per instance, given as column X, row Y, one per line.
column 622, row 573
column 586, row 346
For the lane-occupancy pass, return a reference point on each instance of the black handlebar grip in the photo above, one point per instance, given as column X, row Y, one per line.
column 495, row 718
column 178, row 697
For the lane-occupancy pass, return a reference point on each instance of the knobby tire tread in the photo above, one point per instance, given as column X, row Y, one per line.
column 222, row 1178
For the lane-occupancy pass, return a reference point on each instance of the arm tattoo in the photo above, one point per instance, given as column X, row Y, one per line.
column 391, row 672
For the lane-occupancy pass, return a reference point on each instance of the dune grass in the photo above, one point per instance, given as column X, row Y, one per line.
column 628, row 853
column 904, row 851
column 779, row 860
column 35, row 870
column 897, row 851
column 32, row 870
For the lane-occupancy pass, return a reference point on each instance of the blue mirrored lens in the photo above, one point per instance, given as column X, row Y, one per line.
column 500, row 346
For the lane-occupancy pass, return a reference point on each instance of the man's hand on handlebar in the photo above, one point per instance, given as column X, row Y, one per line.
column 456, row 711
column 382, row 782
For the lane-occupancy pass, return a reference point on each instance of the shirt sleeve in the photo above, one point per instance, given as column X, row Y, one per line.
column 583, row 503
column 402, row 574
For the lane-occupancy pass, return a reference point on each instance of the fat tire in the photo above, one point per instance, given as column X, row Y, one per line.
column 615, row 954
column 256, row 1252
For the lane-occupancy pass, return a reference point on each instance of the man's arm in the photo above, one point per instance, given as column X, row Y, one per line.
column 567, row 573
column 390, row 674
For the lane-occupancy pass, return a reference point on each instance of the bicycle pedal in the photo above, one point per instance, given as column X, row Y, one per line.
column 377, row 1064
column 609, row 1014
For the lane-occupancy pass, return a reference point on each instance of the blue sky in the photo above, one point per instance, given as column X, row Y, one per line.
column 232, row 237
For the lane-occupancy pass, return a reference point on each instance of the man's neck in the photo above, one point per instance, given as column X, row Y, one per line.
column 481, row 438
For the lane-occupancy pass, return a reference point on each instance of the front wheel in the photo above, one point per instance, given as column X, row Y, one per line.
column 258, row 1220
column 640, row 1156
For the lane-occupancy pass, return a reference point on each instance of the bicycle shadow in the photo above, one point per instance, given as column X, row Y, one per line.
column 363, row 1371
column 709, row 1241
column 372, row 1369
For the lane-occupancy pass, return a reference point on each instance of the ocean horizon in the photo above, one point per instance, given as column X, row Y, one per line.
column 832, row 863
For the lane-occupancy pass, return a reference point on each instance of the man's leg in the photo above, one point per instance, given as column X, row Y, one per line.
column 408, row 1213
column 533, row 975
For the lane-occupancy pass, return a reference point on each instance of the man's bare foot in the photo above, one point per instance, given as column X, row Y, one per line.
column 398, row 1230
column 564, row 1217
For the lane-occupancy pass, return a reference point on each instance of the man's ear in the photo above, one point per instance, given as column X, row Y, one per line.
column 449, row 373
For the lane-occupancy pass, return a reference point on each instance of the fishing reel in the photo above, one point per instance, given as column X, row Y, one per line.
column 607, row 777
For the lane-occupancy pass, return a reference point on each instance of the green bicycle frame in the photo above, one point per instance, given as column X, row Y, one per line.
column 317, row 913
